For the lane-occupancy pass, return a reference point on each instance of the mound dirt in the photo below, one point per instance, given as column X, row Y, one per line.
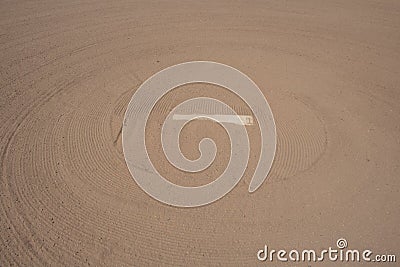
column 329, row 70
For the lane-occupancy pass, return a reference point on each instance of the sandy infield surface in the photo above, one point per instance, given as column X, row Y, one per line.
column 330, row 71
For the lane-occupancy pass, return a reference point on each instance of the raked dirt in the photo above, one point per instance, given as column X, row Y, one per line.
column 330, row 71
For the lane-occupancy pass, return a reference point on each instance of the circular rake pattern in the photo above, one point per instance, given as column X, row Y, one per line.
column 69, row 69
column 301, row 134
